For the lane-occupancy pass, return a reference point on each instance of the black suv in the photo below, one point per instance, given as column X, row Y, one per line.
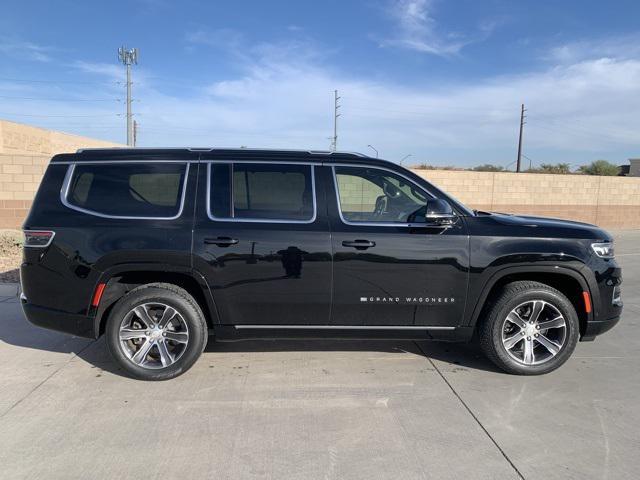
column 160, row 248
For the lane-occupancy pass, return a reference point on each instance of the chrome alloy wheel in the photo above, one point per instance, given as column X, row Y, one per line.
column 534, row 332
column 153, row 335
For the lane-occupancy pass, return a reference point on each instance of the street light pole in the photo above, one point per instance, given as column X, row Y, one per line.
column 404, row 158
column 374, row 149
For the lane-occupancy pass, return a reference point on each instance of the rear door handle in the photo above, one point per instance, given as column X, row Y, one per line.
column 359, row 244
column 221, row 241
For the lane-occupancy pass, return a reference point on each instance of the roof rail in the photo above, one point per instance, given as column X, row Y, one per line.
column 92, row 149
column 210, row 149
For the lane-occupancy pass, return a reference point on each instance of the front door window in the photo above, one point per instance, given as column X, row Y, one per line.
column 371, row 195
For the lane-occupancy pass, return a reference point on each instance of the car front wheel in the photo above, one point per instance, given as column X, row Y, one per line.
column 531, row 329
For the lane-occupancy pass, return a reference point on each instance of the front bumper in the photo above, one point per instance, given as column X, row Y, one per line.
column 598, row 327
column 604, row 277
column 74, row 324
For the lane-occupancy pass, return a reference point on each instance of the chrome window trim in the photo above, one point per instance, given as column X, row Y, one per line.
column 118, row 162
column 66, row 184
column 260, row 220
column 261, row 162
column 346, row 327
column 373, row 224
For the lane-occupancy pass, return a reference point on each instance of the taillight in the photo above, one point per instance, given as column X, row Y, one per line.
column 38, row 238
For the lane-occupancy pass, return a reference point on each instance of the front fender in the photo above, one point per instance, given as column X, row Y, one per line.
column 587, row 285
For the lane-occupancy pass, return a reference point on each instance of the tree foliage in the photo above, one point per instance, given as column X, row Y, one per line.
column 555, row 168
column 488, row 167
column 426, row 166
column 600, row 167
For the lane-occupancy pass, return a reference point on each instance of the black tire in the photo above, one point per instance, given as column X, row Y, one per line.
column 188, row 310
column 493, row 326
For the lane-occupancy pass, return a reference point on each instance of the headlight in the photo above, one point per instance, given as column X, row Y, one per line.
column 603, row 250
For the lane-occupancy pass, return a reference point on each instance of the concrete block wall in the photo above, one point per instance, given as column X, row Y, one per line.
column 20, row 177
column 21, row 139
column 357, row 194
column 611, row 202
column 25, row 151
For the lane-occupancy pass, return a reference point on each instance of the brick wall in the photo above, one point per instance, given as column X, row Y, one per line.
column 611, row 202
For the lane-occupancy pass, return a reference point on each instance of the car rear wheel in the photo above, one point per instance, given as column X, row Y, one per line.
column 531, row 329
column 156, row 331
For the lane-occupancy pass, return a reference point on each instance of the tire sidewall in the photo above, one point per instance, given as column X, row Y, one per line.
column 190, row 312
column 560, row 302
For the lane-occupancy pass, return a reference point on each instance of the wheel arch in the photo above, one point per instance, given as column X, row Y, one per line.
column 124, row 278
column 568, row 281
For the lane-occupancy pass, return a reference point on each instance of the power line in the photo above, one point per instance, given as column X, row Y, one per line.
column 62, row 99
column 427, row 104
column 530, row 160
column 579, row 133
column 59, row 116
column 24, row 80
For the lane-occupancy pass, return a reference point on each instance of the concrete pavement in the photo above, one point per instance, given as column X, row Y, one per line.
column 331, row 409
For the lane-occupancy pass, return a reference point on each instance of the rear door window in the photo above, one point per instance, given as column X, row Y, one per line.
column 260, row 192
column 139, row 190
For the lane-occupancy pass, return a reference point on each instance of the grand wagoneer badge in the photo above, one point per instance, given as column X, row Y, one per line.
column 412, row 300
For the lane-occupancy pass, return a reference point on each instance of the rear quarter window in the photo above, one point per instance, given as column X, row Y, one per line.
column 141, row 190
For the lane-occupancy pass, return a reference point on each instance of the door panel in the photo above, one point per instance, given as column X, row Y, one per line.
column 266, row 259
column 387, row 272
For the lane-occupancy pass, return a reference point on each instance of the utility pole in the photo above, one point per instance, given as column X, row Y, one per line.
column 522, row 122
column 135, row 133
column 129, row 57
column 336, row 106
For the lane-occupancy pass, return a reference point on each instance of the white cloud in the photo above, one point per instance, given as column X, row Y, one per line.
column 113, row 71
column 418, row 30
column 114, row 74
column 223, row 38
column 627, row 46
column 25, row 50
column 577, row 110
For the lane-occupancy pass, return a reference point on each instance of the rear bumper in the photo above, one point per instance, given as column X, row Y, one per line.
column 595, row 328
column 78, row 325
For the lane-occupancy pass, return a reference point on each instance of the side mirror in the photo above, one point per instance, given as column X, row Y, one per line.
column 436, row 212
column 438, row 208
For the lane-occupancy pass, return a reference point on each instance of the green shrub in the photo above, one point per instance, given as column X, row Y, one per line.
column 600, row 167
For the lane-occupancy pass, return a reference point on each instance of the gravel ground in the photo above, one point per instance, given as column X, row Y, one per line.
column 10, row 255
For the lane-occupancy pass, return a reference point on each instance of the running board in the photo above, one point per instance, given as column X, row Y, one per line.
column 342, row 327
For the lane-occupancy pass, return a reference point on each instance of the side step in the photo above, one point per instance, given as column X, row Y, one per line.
column 231, row 333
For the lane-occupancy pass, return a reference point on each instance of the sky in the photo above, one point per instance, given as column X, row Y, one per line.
column 439, row 82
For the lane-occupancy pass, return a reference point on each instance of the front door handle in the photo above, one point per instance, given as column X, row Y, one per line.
column 359, row 244
column 221, row 241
